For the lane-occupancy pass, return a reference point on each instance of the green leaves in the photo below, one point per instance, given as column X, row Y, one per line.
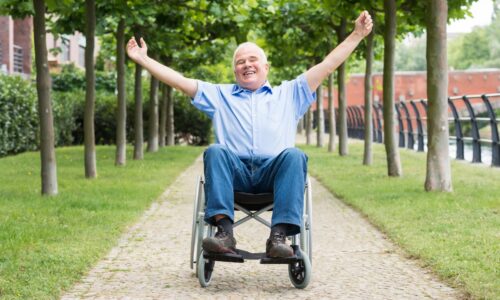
column 18, row 115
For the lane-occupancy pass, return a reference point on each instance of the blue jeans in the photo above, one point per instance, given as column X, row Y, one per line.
column 284, row 175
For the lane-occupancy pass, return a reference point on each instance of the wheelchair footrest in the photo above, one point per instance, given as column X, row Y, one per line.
column 285, row 260
column 241, row 255
column 228, row 257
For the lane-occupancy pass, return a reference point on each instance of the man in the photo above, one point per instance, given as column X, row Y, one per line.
column 255, row 127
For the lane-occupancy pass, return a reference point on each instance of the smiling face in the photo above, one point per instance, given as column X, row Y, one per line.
column 250, row 66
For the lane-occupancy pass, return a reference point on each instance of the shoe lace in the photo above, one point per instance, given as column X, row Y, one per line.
column 278, row 237
column 221, row 233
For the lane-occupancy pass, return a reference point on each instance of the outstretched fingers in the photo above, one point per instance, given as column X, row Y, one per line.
column 143, row 43
column 368, row 22
column 131, row 44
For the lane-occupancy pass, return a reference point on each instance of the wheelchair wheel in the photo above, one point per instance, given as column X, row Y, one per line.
column 194, row 232
column 305, row 236
column 205, row 268
column 300, row 271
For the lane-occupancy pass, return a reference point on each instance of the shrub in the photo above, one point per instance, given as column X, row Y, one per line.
column 18, row 115
column 66, row 107
column 72, row 78
column 191, row 125
column 69, row 116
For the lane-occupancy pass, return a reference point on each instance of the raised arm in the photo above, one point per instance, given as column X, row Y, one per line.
column 319, row 72
column 165, row 74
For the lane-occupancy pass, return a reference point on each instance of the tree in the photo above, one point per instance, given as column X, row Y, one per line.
column 37, row 9
column 162, row 134
column 320, row 117
column 88, row 119
column 170, row 116
column 138, row 122
column 308, row 117
column 341, row 78
column 367, row 153
column 47, row 148
column 390, row 137
column 121, row 119
column 153, row 116
column 438, row 175
column 331, row 115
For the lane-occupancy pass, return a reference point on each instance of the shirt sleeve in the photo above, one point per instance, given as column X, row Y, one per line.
column 302, row 95
column 206, row 98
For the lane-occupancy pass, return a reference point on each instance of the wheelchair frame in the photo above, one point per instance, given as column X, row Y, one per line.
column 299, row 267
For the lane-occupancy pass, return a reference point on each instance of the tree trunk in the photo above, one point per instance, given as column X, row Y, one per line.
column 343, row 150
column 88, row 118
column 153, row 116
column 320, row 117
column 47, row 148
column 368, row 155
column 390, row 137
column 331, row 115
column 121, row 134
column 438, row 176
column 170, row 117
column 138, row 122
column 163, row 115
column 308, row 126
column 300, row 126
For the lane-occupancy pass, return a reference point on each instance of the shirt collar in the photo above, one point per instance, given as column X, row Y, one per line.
column 265, row 87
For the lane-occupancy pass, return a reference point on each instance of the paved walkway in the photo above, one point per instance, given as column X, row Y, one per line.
column 352, row 260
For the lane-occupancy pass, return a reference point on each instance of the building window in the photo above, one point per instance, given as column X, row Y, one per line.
column 81, row 56
column 18, row 59
column 65, row 44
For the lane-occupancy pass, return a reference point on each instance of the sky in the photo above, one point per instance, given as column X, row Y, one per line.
column 481, row 16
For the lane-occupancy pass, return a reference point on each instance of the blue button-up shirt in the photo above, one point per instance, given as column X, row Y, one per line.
column 259, row 123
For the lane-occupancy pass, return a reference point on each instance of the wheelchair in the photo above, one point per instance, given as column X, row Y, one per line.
column 252, row 206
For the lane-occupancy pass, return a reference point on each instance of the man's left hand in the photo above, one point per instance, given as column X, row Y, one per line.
column 363, row 24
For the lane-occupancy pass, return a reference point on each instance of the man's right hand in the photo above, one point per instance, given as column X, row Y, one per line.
column 136, row 53
column 165, row 74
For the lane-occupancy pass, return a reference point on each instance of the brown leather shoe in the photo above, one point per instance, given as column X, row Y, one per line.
column 222, row 242
column 276, row 246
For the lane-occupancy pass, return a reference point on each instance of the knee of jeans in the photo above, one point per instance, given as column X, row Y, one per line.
column 295, row 153
column 214, row 150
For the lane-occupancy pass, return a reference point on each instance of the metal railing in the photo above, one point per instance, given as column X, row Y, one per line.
column 412, row 124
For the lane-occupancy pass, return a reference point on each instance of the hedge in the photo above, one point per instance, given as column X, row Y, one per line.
column 19, row 118
column 18, row 115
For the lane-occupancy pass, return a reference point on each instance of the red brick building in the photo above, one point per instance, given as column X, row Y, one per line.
column 15, row 45
column 413, row 85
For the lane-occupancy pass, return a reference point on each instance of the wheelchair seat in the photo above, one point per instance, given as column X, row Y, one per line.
column 253, row 201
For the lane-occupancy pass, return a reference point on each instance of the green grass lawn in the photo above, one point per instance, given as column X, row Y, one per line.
column 47, row 243
column 455, row 234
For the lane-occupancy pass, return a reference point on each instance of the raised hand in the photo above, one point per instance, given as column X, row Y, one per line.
column 136, row 53
column 363, row 24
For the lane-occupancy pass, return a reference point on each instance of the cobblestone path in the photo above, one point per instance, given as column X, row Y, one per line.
column 351, row 259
